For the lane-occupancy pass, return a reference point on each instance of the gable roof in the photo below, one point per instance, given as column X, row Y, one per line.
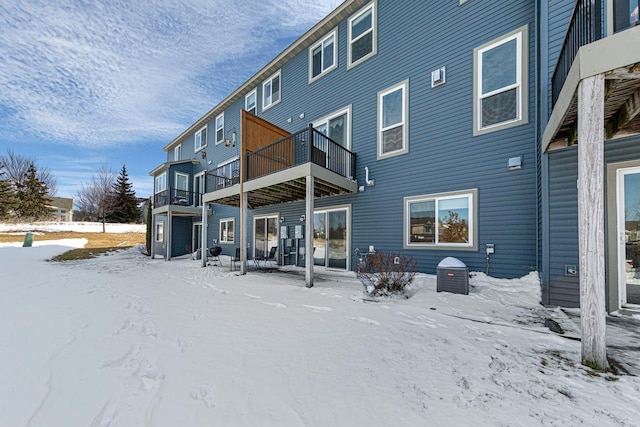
column 302, row 43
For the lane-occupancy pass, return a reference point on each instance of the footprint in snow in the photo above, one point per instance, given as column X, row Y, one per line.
column 205, row 394
column 275, row 304
column 252, row 296
column 317, row 308
column 415, row 323
column 364, row 320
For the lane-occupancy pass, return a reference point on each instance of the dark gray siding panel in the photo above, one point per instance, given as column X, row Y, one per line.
column 213, row 228
column 563, row 215
column 181, row 232
column 563, row 227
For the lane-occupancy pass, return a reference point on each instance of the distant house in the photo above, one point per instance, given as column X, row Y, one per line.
column 61, row 209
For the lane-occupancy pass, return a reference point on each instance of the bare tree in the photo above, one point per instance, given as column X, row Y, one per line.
column 16, row 167
column 94, row 197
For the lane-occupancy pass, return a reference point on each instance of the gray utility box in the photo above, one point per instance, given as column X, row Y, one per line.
column 453, row 276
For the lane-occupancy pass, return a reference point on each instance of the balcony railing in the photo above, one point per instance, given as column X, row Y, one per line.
column 585, row 27
column 307, row 145
column 175, row 196
column 223, row 177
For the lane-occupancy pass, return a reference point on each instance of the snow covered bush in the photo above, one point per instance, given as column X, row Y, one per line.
column 384, row 273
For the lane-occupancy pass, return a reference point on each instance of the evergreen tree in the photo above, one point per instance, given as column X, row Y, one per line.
column 149, row 225
column 7, row 196
column 124, row 205
column 32, row 197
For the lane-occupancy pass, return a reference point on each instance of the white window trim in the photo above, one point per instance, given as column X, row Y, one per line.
column 333, row 115
column 226, row 162
column 227, row 220
column 221, row 117
column 374, row 29
column 471, row 194
column 266, row 106
column 265, row 216
column 164, row 181
column 177, row 153
column 337, row 208
column 521, row 37
column 159, row 230
column 323, row 72
column 195, row 138
column 254, row 92
column 404, row 86
column 175, row 180
column 204, row 183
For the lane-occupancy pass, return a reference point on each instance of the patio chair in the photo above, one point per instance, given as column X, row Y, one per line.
column 270, row 258
column 214, row 255
column 234, row 260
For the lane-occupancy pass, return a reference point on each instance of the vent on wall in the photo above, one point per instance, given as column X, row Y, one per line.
column 438, row 77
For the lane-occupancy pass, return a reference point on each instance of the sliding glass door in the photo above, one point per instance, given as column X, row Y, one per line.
column 331, row 238
column 266, row 235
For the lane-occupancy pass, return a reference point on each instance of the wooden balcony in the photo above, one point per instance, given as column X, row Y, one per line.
column 184, row 202
column 274, row 165
column 586, row 52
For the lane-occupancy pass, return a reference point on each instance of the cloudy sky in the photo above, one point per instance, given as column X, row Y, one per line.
column 87, row 83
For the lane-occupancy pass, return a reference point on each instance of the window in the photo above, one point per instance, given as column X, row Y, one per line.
column 201, row 139
column 392, row 121
column 337, row 126
column 161, row 183
column 226, row 230
column 220, row 128
column 440, row 220
column 323, row 56
column 251, row 102
column 159, row 231
column 177, row 153
column 271, row 91
column 198, row 187
column 500, row 74
column 362, row 35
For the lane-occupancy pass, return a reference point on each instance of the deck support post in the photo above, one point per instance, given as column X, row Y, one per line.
column 167, row 237
column 243, row 231
column 308, row 236
column 591, row 221
column 203, row 241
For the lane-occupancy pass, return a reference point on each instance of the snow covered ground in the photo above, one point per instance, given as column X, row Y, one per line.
column 82, row 227
column 124, row 340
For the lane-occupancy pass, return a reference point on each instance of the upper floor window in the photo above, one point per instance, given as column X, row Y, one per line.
column 437, row 220
column 177, row 153
column 251, row 102
column 271, row 91
column 336, row 126
column 201, row 139
column 161, row 183
column 392, row 121
column 500, row 83
column 362, row 35
column 220, row 128
column 323, row 56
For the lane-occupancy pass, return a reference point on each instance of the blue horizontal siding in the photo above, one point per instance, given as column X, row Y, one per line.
column 563, row 215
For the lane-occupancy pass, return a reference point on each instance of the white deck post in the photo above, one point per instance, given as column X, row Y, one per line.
column 308, row 236
column 243, row 231
column 168, row 235
column 591, row 221
column 203, row 243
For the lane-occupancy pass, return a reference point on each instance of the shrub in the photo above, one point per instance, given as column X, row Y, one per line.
column 384, row 273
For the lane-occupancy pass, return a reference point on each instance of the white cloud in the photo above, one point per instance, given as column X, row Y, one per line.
column 98, row 73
